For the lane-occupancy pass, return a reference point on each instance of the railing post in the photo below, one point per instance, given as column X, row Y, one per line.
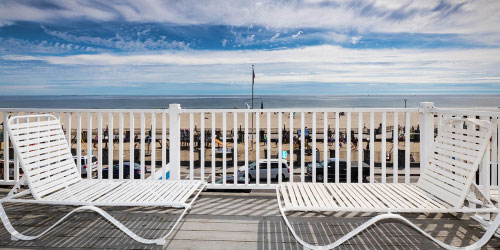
column 174, row 111
column 426, row 132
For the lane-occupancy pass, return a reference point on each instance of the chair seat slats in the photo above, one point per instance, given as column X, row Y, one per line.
column 394, row 197
column 455, row 162
column 34, row 124
column 54, row 148
column 429, row 185
column 461, row 137
column 131, row 192
column 458, row 130
column 25, row 137
column 457, row 143
column 452, row 152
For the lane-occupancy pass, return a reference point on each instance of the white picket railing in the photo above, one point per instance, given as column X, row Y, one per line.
column 331, row 117
column 217, row 135
column 107, row 125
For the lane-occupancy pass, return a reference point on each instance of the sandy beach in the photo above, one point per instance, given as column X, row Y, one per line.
column 274, row 125
column 414, row 119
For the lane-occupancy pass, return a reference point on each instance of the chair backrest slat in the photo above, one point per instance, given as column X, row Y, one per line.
column 43, row 152
column 455, row 159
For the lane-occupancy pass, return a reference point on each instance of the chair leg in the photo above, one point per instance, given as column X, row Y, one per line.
column 15, row 235
column 477, row 245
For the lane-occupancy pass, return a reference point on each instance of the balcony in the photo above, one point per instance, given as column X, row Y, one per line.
column 212, row 144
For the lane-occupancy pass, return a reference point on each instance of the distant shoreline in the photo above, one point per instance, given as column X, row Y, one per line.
column 256, row 95
column 240, row 101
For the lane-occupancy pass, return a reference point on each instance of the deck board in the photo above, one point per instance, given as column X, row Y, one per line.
column 221, row 220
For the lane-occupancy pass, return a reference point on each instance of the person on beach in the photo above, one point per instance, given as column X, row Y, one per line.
column 196, row 136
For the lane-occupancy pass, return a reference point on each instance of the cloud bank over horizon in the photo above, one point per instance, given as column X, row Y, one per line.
column 126, row 47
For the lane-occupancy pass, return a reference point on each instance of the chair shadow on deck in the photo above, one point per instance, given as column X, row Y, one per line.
column 231, row 220
column 323, row 228
column 86, row 229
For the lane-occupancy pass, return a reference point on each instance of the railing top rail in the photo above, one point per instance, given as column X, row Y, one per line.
column 495, row 112
column 165, row 110
column 301, row 110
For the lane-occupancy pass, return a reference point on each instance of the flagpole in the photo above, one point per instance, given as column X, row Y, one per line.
column 253, row 81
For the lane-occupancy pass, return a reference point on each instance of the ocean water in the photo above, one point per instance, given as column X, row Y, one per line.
column 240, row 101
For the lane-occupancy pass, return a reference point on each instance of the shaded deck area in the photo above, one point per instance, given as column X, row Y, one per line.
column 228, row 220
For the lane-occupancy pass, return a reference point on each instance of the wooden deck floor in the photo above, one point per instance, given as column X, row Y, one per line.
column 221, row 220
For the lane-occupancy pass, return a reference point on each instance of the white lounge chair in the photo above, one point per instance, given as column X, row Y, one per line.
column 443, row 187
column 53, row 178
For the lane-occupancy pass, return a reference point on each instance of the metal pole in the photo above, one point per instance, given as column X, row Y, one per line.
column 253, row 78
column 405, row 101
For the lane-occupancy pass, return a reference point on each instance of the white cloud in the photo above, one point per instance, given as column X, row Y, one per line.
column 119, row 42
column 23, row 11
column 297, row 35
column 355, row 39
column 274, row 37
column 13, row 45
column 241, row 39
column 425, row 16
column 335, row 37
column 327, row 64
column 21, row 58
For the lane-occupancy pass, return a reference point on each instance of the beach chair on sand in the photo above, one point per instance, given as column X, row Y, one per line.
column 446, row 185
column 53, row 178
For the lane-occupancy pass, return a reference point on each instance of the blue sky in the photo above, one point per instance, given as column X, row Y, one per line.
column 207, row 47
